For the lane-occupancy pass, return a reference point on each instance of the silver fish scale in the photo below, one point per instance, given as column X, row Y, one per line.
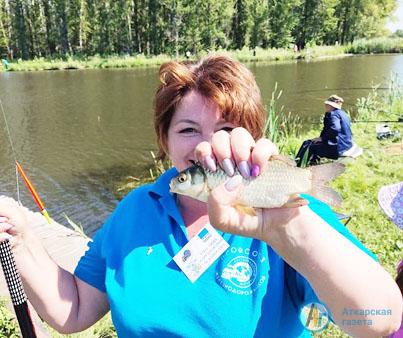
column 270, row 189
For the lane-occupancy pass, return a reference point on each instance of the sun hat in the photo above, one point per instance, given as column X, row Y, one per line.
column 334, row 101
column 390, row 198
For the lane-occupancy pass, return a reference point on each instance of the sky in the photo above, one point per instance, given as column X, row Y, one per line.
column 398, row 24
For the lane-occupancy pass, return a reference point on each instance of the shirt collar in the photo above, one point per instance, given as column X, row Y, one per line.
column 160, row 189
column 161, row 185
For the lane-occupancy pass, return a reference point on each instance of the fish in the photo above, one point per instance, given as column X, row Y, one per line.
column 278, row 185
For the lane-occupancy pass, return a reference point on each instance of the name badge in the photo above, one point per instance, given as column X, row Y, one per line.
column 200, row 252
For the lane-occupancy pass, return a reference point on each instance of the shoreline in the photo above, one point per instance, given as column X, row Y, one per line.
column 379, row 46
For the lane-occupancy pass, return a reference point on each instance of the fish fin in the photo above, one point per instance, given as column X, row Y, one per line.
column 321, row 174
column 295, row 201
column 284, row 159
column 327, row 195
column 244, row 209
column 326, row 172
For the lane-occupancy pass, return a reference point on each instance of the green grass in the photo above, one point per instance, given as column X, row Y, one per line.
column 93, row 62
column 364, row 46
column 7, row 322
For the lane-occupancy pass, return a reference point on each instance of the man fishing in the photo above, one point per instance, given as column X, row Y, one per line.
column 335, row 138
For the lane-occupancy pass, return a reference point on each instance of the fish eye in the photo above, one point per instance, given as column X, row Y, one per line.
column 182, row 178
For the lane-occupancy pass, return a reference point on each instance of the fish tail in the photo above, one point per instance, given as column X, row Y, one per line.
column 321, row 175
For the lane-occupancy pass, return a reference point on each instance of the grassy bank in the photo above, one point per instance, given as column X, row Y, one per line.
column 379, row 45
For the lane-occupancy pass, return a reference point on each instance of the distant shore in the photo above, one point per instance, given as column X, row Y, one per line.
column 372, row 46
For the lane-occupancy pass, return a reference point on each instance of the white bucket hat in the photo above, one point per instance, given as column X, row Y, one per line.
column 334, row 101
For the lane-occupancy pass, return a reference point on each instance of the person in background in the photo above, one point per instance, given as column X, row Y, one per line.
column 335, row 138
column 274, row 263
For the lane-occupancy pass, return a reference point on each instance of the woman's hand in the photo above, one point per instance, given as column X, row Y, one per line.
column 239, row 149
column 13, row 222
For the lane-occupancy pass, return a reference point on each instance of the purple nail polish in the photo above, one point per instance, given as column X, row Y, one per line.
column 228, row 167
column 255, row 171
column 210, row 163
column 244, row 169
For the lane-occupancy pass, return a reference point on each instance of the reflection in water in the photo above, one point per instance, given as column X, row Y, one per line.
column 78, row 132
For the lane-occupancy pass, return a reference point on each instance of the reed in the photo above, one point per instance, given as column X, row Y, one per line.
column 376, row 46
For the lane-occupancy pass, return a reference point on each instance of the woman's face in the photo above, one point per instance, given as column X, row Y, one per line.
column 196, row 120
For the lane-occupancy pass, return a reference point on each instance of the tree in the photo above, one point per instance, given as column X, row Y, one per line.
column 19, row 35
column 281, row 22
column 258, row 26
column 61, row 19
column 239, row 24
column 5, row 29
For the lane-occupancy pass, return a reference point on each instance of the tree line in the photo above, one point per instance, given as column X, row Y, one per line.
column 56, row 28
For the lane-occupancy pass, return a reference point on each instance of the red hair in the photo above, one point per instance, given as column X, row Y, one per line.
column 220, row 79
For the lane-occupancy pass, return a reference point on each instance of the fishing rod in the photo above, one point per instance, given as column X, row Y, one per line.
column 385, row 121
column 11, row 274
column 400, row 120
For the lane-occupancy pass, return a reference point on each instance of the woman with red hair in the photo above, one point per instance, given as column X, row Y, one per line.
column 170, row 266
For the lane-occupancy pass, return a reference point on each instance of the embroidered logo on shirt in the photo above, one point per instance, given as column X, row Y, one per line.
column 241, row 270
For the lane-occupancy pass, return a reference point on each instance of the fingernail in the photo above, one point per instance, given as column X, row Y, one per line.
column 244, row 169
column 228, row 167
column 5, row 226
column 233, row 183
column 210, row 163
column 255, row 171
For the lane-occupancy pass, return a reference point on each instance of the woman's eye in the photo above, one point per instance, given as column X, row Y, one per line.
column 187, row 131
column 227, row 129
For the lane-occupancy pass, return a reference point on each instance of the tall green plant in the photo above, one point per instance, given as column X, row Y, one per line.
column 368, row 106
column 394, row 94
column 271, row 128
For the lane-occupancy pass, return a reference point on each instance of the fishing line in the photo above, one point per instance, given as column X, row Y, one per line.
column 14, row 153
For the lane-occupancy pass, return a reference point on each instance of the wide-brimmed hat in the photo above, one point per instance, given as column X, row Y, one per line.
column 390, row 198
column 334, row 101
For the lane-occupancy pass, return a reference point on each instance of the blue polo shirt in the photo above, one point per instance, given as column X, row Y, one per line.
column 130, row 259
